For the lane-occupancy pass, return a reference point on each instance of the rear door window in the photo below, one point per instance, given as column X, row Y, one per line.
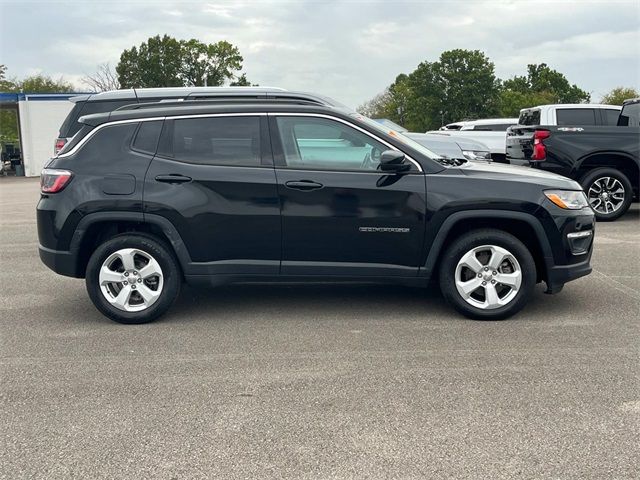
column 529, row 117
column 233, row 141
column 575, row 116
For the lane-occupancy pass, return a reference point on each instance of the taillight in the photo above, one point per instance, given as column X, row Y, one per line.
column 60, row 142
column 539, row 150
column 53, row 180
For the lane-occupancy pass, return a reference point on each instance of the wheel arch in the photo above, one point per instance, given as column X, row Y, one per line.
column 523, row 226
column 621, row 161
column 93, row 229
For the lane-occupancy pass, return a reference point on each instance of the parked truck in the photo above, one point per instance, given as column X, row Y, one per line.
column 604, row 159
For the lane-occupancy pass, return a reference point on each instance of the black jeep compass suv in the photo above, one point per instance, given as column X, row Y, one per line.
column 295, row 189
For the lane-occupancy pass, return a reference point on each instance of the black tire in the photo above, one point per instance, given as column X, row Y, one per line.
column 477, row 238
column 171, row 274
column 593, row 176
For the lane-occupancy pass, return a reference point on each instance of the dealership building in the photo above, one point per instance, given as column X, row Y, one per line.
column 39, row 116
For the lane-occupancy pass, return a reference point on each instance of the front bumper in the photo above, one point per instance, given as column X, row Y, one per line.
column 558, row 275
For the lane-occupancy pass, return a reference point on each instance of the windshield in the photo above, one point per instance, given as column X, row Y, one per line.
column 403, row 138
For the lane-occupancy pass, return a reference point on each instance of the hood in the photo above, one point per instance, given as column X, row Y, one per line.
column 512, row 173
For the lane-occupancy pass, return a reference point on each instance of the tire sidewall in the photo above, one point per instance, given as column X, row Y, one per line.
column 487, row 237
column 593, row 175
column 170, row 270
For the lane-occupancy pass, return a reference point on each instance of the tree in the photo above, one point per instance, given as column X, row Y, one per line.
column 155, row 63
column 242, row 81
column 619, row 95
column 167, row 62
column 541, row 85
column 460, row 85
column 103, row 80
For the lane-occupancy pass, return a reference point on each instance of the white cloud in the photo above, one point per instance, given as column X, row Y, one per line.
column 348, row 50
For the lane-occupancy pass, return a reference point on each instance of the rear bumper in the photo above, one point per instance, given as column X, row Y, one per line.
column 61, row 262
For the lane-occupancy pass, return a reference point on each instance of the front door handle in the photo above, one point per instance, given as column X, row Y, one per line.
column 304, row 185
column 173, row 178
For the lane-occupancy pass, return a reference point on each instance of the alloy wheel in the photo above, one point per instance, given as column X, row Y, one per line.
column 606, row 195
column 488, row 277
column 131, row 280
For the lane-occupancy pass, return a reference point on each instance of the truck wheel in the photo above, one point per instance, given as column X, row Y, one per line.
column 609, row 192
column 487, row 275
column 132, row 278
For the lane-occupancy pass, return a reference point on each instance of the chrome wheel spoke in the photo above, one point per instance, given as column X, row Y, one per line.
column 148, row 296
column 509, row 279
column 468, row 287
column 109, row 276
column 122, row 299
column 491, row 295
column 471, row 261
column 497, row 257
column 150, row 269
column 127, row 256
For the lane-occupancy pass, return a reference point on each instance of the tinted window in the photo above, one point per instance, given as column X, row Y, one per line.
column 319, row 143
column 147, row 136
column 576, row 116
column 610, row 116
column 529, row 117
column 71, row 124
column 218, row 140
column 630, row 115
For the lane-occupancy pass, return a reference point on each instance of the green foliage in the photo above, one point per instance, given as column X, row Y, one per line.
column 619, row 95
column 462, row 85
column 542, row 85
column 167, row 62
column 242, row 81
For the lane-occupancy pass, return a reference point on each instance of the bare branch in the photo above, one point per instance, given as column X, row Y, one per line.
column 104, row 79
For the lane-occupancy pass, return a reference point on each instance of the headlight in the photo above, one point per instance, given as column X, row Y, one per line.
column 568, row 199
column 476, row 155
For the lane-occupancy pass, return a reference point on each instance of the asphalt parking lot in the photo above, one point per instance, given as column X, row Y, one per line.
column 317, row 382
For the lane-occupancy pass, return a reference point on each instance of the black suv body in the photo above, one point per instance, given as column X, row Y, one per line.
column 221, row 192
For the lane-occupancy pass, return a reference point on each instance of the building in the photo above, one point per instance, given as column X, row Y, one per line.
column 39, row 116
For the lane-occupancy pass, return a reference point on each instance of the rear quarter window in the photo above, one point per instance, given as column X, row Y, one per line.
column 71, row 124
column 147, row 137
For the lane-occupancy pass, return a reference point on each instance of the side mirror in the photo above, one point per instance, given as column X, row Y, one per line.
column 393, row 161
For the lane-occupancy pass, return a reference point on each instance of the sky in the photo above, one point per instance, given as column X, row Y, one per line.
column 348, row 50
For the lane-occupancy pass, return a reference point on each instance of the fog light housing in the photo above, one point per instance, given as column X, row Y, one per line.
column 579, row 242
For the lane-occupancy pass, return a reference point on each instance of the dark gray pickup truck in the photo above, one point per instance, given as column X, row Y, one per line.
column 604, row 160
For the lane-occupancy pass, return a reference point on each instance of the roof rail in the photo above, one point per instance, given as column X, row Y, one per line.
column 221, row 99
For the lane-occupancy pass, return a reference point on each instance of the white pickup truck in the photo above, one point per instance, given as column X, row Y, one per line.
column 493, row 132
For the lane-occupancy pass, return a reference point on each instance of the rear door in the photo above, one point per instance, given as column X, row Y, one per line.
column 213, row 179
column 340, row 214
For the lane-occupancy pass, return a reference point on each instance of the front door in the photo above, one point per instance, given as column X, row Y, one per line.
column 340, row 214
column 213, row 179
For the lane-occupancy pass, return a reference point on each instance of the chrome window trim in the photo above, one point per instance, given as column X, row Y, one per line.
column 362, row 130
column 241, row 114
column 151, row 119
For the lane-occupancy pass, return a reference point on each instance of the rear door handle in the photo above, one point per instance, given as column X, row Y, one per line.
column 304, row 185
column 173, row 178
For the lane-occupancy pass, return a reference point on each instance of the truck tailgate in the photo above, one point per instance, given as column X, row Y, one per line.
column 519, row 145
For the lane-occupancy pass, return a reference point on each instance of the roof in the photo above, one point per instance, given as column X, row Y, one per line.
column 573, row 105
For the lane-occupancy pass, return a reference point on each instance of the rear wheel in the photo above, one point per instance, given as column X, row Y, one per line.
column 609, row 191
column 132, row 279
column 487, row 275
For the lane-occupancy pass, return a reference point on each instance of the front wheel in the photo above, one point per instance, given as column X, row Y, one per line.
column 487, row 275
column 132, row 279
column 609, row 192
